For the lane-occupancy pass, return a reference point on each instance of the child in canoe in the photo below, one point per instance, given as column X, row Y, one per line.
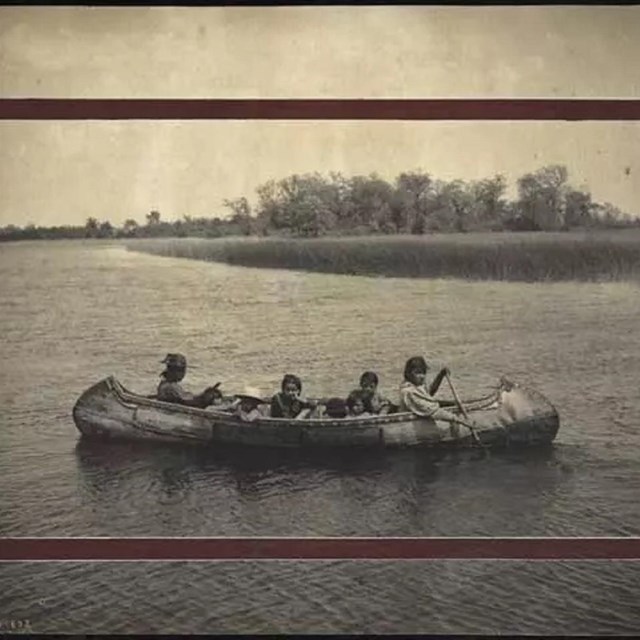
column 249, row 405
column 374, row 402
column 288, row 403
column 356, row 404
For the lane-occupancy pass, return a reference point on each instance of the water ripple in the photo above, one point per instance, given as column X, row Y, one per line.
column 91, row 309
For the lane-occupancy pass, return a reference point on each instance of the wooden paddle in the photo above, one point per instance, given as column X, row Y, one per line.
column 456, row 397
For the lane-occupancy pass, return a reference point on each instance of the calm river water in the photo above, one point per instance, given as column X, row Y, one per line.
column 73, row 312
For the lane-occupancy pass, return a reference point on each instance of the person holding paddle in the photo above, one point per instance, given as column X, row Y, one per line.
column 416, row 397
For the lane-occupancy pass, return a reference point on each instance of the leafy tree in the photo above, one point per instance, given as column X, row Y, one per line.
column 414, row 193
column 153, row 217
column 241, row 215
column 91, row 227
column 579, row 209
column 609, row 215
column 130, row 227
column 105, row 230
column 487, row 202
column 451, row 207
column 369, row 205
column 304, row 205
column 543, row 196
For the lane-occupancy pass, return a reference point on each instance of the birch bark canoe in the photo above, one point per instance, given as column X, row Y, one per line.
column 509, row 415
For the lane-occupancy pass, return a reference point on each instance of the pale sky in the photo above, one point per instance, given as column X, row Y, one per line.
column 62, row 172
column 58, row 172
column 320, row 51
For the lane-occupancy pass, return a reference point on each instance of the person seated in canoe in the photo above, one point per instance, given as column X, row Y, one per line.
column 356, row 405
column 416, row 397
column 248, row 404
column 374, row 403
column 170, row 389
column 287, row 403
column 335, row 408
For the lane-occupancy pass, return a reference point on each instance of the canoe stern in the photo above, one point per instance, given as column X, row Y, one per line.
column 95, row 413
column 527, row 416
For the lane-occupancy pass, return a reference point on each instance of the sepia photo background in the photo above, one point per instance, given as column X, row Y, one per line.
column 51, row 172
column 315, row 52
column 75, row 311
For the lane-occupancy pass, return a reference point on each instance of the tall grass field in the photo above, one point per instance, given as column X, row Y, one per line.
column 526, row 257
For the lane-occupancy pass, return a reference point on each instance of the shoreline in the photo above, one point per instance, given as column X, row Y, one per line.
column 581, row 256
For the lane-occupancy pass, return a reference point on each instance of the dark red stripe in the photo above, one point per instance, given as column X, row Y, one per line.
column 12, row 549
column 361, row 109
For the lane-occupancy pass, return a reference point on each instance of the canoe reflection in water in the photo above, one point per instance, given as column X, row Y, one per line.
column 146, row 488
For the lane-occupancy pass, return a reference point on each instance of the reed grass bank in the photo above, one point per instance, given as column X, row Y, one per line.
column 528, row 257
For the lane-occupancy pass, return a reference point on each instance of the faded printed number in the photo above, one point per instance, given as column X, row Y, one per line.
column 14, row 625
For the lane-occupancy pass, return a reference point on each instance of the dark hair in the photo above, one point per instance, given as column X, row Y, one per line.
column 248, row 403
column 175, row 365
column 175, row 361
column 290, row 378
column 369, row 376
column 355, row 396
column 336, row 408
column 417, row 363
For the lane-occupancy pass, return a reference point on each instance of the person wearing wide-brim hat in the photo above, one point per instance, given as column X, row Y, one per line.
column 170, row 389
column 247, row 404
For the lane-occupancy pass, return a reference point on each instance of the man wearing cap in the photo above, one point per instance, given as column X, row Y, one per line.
column 170, row 389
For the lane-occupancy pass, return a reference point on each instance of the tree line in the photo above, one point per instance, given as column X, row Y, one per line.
column 313, row 205
column 154, row 227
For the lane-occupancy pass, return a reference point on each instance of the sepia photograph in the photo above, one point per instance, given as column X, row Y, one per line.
column 302, row 328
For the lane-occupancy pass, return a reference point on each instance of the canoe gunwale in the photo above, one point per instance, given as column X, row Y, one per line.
column 133, row 401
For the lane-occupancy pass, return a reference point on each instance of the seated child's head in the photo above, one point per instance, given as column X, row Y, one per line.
column 415, row 370
column 291, row 386
column 368, row 383
column 355, row 402
column 249, row 404
column 250, row 399
column 336, row 408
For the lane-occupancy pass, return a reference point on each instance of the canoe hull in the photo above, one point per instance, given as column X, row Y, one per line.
column 510, row 416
